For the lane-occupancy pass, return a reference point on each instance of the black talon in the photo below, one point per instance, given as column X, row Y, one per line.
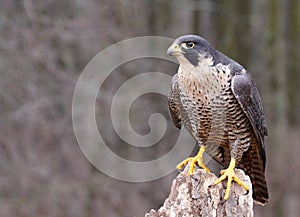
column 194, row 177
column 178, row 170
column 247, row 192
column 222, row 202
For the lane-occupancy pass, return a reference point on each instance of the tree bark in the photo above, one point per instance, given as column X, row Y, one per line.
column 195, row 195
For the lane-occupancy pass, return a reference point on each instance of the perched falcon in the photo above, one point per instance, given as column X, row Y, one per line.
column 217, row 101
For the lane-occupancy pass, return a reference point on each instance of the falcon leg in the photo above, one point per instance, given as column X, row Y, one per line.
column 230, row 175
column 198, row 159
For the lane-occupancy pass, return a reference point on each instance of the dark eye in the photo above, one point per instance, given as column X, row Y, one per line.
column 190, row 44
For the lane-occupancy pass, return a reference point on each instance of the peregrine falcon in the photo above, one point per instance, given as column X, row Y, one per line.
column 217, row 101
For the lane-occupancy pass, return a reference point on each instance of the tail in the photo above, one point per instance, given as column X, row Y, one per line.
column 252, row 164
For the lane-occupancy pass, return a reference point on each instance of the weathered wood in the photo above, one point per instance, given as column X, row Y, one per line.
column 195, row 195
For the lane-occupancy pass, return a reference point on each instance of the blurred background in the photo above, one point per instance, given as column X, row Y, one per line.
column 45, row 45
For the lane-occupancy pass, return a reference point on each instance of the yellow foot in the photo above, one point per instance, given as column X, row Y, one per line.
column 198, row 159
column 230, row 175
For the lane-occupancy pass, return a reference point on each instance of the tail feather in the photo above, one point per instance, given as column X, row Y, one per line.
column 252, row 164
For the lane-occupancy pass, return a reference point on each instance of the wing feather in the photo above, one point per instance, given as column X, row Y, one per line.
column 174, row 102
column 246, row 93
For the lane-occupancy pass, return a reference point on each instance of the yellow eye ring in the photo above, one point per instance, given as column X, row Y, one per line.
column 190, row 44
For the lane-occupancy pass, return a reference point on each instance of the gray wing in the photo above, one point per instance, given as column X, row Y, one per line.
column 246, row 93
column 174, row 102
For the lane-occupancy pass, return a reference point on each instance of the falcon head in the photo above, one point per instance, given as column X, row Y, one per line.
column 192, row 49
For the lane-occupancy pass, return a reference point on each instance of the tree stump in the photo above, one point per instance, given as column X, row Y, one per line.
column 195, row 195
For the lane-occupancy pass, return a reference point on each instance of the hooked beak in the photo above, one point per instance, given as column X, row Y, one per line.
column 174, row 50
